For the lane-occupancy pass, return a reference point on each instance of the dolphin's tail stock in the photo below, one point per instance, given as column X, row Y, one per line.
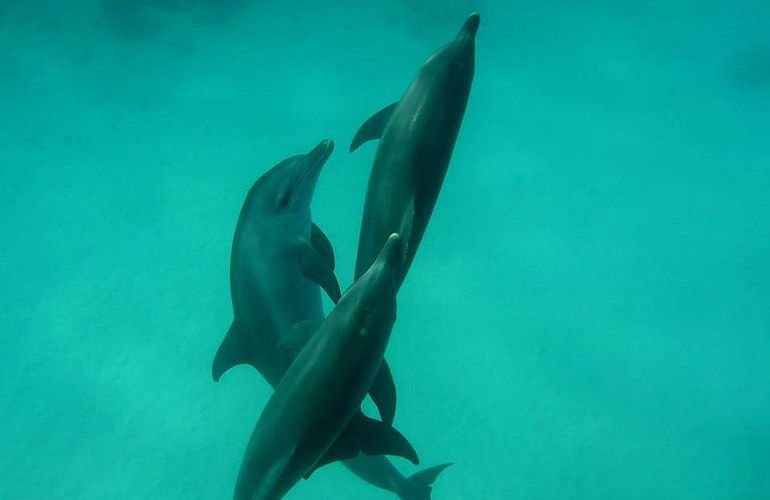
column 419, row 485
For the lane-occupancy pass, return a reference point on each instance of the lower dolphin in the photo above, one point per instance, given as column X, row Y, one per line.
column 313, row 417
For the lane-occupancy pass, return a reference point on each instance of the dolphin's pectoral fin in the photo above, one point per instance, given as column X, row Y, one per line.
column 321, row 243
column 295, row 338
column 383, row 393
column 316, row 269
column 373, row 127
column 372, row 437
column 378, row 438
column 233, row 351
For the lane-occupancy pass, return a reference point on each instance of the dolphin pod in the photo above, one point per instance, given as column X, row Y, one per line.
column 321, row 368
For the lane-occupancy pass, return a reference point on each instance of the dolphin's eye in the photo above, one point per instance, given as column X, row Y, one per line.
column 283, row 199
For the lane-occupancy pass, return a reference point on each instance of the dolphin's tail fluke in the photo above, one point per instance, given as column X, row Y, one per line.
column 418, row 486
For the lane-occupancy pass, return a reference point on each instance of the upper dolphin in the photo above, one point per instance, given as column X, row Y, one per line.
column 313, row 416
column 418, row 134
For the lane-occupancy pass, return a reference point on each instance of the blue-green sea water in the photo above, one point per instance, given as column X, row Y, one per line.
column 587, row 317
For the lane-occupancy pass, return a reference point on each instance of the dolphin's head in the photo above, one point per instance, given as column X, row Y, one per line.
column 288, row 187
column 374, row 293
column 454, row 62
column 462, row 50
column 470, row 26
column 366, row 312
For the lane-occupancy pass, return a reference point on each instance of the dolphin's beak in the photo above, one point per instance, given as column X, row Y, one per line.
column 321, row 152
column 391, row 251
column 470, row 27
column 389, row 260
column 315, row 159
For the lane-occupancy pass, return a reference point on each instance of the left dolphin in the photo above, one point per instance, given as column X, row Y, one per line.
column 278, row 259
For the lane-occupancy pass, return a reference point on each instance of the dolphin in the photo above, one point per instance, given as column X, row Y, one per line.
column 313, row 417
column 278, row 260
column 418, row 134
column 275, row 248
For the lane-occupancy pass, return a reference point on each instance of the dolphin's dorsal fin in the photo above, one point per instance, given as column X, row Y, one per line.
column 321, row 243
column 372, row 437
column 377, row 438
column 316, row 269
column 234, row 350
column 373, row 127
column 295, row 338
column 383, row 393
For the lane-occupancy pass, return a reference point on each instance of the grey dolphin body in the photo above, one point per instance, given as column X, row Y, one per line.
column 275, row 247
column 278, row 259
column 418, row 134
column 313, row 416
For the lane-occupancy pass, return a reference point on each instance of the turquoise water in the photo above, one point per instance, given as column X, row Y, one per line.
column 587, row 316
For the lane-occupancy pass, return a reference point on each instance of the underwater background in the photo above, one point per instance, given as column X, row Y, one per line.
column 588, row 315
